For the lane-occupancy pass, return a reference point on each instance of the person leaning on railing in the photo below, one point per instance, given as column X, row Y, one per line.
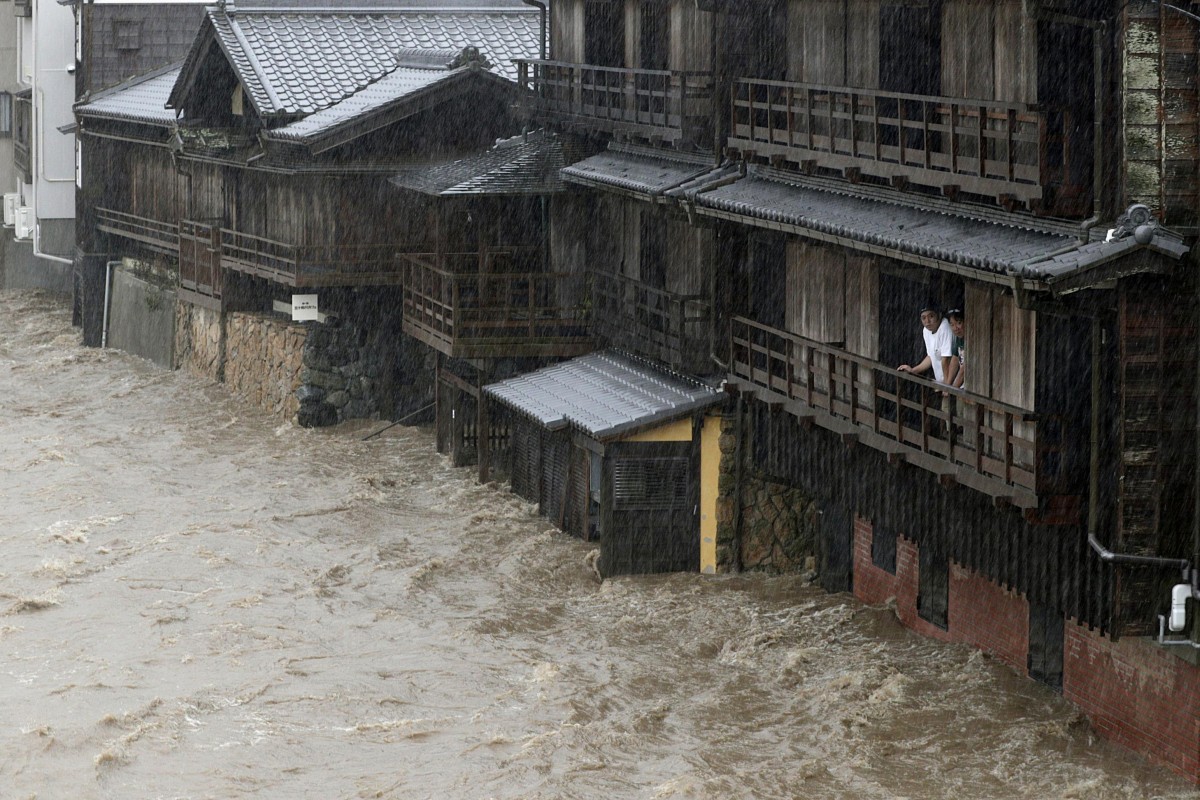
column 958, row 351
column 939, row 343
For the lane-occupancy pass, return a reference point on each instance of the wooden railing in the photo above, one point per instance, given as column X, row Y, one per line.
column 671, row 105
column 672, row 328
column 486, row 311
column 944, row 430
column 156, row 234
column 309, row 265
column 998, row 149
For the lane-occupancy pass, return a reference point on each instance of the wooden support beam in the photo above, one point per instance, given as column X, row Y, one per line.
column 849, row 439
column 900, row 182
column 853, row 174
column 777, row 160
column 950, row 190
column 483, row 435
column 896, row 458
column 1000, row 503
column 808, row 166
column 1007, row 201
column 947, row 480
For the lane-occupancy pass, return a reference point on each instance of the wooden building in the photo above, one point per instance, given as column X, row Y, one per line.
column 259, row 167
column 814, row 173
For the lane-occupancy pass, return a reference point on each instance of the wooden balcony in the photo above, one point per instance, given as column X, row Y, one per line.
column 159, row 236
column 671, row 328
column 1011, row 152
column 309, row 266
column 1004, row 451
column 654, row 105
column 465, row 306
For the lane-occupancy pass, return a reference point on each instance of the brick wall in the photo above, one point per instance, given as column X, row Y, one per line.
column 981, row 613
column 1137, row 694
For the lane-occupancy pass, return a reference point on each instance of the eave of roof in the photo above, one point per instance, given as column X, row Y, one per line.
column 141, row 99
column 519, row 166
column 604, row 395
column 644, row 173
column 398, row 95
column 993, row 251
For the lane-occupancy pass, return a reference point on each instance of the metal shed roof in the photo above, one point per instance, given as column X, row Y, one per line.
column 603, row 394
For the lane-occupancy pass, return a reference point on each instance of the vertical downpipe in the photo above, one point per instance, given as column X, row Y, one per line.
column 738, row 470
column 1093, row 511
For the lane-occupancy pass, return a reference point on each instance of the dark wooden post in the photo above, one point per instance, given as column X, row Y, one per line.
column 483, row 434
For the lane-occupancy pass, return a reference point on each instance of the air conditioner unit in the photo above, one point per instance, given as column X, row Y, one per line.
column 11, row 201
column 25, row 223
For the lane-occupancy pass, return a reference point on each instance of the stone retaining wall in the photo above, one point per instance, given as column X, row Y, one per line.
column 199, row 341
column 263, row 361
column 778, row 528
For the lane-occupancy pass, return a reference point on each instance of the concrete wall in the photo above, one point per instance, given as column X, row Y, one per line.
column 22, row 270
column 141, row 318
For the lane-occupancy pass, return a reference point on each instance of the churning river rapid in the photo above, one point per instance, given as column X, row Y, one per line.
column 199, row 601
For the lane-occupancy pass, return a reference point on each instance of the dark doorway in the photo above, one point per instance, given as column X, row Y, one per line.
column 1046, row 646
column 755, row 41
column 933, row 588
column 604, row 34
column 766, row 262
column 837, row 548
column 649, row 504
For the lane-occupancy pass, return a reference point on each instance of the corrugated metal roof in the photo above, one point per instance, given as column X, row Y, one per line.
column 603, row 394
column 141, row 99
column 637, row 170
column 920, row 233
column 518, row 166
column 296, row 61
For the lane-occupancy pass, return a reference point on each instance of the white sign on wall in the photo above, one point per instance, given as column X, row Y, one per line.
column 304, row 308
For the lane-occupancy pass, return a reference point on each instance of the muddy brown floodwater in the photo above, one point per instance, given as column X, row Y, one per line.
column 197, row 601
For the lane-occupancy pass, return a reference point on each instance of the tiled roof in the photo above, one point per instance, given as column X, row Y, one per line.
column 522, row 165
column 603, row 394
column 141, row 99
column 299, row 61
column 915, row 233
column 392, row 88
column 637, row 170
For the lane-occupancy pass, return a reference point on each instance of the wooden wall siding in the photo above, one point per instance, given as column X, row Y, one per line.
column 1001, row 347
column 1157, row 444
column 153, row 184
column 1051, row 565
column 822, row 54
column 206, row 192
column 816, row 291
column 862, row 306
column 989, row 51
column 862, row 44
column 566, row 31
column 690, row 37
column 689, row 254
column 1161, row 113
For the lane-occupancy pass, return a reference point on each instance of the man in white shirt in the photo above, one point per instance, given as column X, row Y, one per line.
column 939, row 345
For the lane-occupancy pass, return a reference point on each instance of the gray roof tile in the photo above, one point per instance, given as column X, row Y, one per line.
column 637, row 170
column 295, row 61
column 141, row 99
column 603, row 394
column 964, row 241
column 522, row 165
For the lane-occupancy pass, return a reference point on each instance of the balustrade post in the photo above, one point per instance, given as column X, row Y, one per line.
column 982, row 140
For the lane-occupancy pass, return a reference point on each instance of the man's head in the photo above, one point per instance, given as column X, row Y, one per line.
column 957, row 321
column 930, row 318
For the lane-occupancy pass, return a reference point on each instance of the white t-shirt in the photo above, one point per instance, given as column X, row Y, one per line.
column 937, row 345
